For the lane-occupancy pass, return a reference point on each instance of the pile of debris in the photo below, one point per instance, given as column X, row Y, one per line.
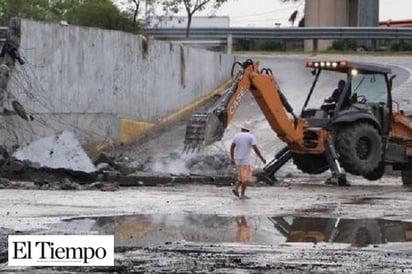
column 59, row 162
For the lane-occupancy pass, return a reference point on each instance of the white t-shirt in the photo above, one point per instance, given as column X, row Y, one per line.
column 244, row 142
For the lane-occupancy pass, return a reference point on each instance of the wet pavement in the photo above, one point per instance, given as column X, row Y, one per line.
column 305, row 227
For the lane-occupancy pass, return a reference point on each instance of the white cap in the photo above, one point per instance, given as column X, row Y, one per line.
column 247, row 125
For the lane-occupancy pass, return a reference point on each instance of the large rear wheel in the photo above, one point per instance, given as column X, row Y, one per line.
column 310, row 163
column 376, row 174
column 360, row 148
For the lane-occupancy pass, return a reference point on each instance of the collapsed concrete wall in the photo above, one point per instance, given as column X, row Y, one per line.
column 90, row 81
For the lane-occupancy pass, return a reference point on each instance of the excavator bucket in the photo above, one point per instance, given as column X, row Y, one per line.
column 202, row 129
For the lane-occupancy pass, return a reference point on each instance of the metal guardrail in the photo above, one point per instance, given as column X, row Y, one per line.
column 285, row 33
column 226, row 35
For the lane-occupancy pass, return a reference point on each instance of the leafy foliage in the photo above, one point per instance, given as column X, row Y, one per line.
column 98, row 13
column 342, row 45
column 35, row 9
column 93, row 13
column 400, row 46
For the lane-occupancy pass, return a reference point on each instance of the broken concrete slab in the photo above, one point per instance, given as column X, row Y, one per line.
column 61, row 151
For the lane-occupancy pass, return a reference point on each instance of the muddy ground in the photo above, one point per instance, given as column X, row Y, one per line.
column 298, row 225
column 306, row 226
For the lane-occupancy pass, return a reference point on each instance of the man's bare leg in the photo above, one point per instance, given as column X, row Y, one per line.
column 235, row 189
column 243, row 190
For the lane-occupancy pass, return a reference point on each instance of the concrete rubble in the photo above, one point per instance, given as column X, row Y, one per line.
column 61, row 151
column 60, row 162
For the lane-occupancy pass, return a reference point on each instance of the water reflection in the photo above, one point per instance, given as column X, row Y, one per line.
column 358, row 232
column 243, row 232
column 147, row 230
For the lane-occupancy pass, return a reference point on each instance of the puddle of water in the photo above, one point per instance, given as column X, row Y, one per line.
column 154, row 230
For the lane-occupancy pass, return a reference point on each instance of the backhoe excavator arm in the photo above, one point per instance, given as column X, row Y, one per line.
column 206, row 128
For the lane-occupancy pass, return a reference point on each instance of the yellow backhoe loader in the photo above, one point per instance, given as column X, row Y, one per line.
column 360, row 138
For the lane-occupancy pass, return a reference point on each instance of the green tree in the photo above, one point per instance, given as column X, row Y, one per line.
column 292, row 17
column 98, row 13
column 140, row 11
column 92, row 13
column 34, row 9
column 191, row 7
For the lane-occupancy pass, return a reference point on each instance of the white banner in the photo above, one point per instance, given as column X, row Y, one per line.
column 61, row 250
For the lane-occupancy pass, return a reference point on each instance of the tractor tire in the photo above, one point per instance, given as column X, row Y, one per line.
column 360, row 232
column 406, row 177
column 310, row 163
column 360, row 148
column 376, row 174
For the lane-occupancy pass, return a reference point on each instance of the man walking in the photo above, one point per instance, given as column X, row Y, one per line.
column 240, row 156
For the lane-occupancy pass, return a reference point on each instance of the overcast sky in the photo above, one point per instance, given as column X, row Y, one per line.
column 266, row 13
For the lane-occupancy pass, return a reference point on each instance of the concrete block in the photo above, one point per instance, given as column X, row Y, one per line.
column 58, row 152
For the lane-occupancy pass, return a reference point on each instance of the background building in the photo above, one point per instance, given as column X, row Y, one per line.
column 333, row 13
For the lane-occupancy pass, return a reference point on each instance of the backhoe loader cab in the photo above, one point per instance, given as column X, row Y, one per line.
column 368, row 87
